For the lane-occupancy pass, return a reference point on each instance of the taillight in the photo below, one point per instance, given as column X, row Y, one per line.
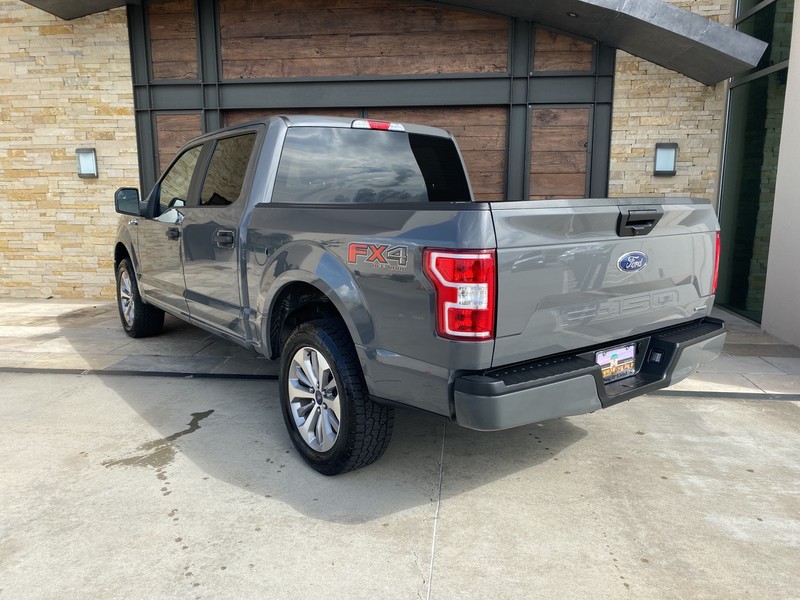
column 466, row 286
column 716, row 267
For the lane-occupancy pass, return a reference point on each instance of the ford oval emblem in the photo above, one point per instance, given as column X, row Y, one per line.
column 632, row 262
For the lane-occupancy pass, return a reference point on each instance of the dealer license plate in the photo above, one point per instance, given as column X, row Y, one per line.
column 617, row 363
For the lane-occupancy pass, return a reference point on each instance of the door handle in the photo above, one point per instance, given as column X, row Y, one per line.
column 173, row 233
column 224, row 238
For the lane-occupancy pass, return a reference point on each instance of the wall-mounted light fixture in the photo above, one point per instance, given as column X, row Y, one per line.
column 666, row 159
column 87, row 163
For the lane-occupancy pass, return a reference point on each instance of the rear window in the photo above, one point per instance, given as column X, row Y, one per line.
column 322, row 165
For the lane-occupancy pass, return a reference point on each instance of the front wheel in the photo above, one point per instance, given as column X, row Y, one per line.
column 138, row 319
column 331, row 420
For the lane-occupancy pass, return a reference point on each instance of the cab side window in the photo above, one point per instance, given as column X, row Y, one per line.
column 174, row 190
column 226, row 172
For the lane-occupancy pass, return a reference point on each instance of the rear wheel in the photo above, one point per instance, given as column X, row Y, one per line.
column 331, row 420
column 138, row 319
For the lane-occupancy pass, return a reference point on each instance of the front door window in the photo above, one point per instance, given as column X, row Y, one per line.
column 174, row 190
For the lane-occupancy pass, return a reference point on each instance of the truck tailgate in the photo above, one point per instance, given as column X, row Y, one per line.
column 569, row 277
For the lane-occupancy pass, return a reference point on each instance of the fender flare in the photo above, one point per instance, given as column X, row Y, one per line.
column 124, row 239
column 313, row 265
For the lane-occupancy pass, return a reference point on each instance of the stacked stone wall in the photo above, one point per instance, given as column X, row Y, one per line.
column 653, row 104
column 63, row 85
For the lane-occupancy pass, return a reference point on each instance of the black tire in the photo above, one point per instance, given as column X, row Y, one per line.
column 331, row 420
column 138, row 319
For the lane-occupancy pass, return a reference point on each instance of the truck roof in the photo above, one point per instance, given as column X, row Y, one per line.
column 339, row 122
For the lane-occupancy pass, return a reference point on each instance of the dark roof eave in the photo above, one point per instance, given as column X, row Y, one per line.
column 69, row 9
column 671, row 37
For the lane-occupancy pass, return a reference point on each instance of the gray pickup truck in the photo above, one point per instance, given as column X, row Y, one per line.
column 354, row 252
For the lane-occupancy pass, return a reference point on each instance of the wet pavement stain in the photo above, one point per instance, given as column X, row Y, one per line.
column 159, row 453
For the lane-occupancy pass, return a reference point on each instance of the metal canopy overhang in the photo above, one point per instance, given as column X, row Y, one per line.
column 70, row 9
column 654, row 30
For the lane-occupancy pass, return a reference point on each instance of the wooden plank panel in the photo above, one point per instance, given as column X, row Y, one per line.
column 379, row 65
column 173, row 40
column 312, row 38
column 174, row 70
column 560, row 185
column 236, row 6
column 558, row 162
column 560, row 117
column 235, row 117
column 175, row 50
column 562, row 61
column 353, row 46
column 559, row 152
column 469, row 119
column 298, row 22
column 171, row 8
column 553, row 51
column 172, row 132
column 170, row 27
column 560, row 139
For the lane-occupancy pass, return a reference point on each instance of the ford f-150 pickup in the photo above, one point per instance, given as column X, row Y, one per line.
column 354, row 252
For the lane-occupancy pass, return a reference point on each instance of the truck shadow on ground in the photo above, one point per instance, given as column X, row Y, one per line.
column 232, row 430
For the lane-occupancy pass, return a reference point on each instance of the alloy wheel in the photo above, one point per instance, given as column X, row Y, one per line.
column 314, row 399
column 126, row 303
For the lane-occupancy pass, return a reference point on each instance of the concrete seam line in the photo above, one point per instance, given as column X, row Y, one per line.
column 123, row 373
column 436, row 514
column 727, row 395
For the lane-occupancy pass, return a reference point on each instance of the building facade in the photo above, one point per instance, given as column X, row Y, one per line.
column 63, row 85
column 540, row 112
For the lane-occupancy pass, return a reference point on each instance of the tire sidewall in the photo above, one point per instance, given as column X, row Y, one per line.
column 125, row 267
column 308, row 335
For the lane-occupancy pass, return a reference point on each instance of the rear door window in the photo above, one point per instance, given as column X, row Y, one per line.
column 226, row 172
column 337, row 165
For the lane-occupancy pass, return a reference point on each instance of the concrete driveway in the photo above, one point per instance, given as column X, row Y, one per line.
column 117, row 484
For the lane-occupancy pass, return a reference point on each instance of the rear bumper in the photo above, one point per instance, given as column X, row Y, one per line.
column 573, row 384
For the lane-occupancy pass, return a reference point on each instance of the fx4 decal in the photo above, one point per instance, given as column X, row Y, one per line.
column 382, row 256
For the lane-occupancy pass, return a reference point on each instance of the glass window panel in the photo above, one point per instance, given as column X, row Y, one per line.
column 333, row 165
column 747, row 5
column 772, row 24
column 225, row 176
column 174, row 190
column 751, row 164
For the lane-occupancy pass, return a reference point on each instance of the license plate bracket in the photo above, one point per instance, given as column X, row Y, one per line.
column 617, row 363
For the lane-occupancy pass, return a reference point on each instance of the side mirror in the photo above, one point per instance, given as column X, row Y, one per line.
column 126, row 201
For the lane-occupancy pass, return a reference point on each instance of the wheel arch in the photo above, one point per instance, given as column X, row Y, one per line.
column 124, row 248
column 120, row 252
column 318, row 286
column 298, row 301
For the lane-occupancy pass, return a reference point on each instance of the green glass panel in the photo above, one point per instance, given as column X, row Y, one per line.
column 751, row 165
column 772, row 24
